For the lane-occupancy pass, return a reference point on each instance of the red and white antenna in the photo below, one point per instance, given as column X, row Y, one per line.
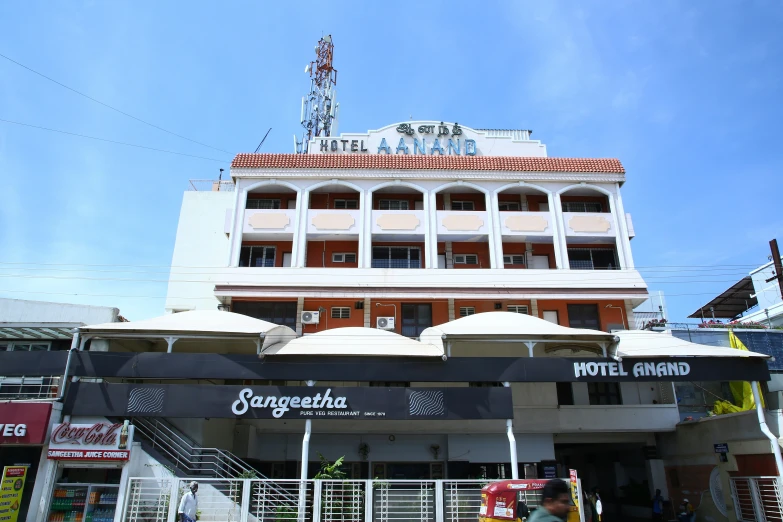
column 319, row 110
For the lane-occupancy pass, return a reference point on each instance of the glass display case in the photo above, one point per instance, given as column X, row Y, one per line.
column 83, row 503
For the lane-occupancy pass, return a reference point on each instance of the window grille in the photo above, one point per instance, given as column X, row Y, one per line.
column 462, row 205
column 393, row 204
column 345, row 257
column 514, row 260
column 466, row 259
column 346, row 203
column 341, row 312
column 264, row 204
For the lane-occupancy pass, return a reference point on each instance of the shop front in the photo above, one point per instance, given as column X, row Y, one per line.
column 90, row 455
column 23, row 429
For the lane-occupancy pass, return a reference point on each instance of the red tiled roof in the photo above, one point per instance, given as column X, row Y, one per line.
column 390, row 162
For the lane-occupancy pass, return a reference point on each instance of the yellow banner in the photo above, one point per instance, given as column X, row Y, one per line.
column 11, row 489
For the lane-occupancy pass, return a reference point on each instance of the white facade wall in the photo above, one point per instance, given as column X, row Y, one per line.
column 22, row 311
column 202, row 247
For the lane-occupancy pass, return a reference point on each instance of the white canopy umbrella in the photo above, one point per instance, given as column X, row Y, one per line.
column 511, row 327
column 644, row 343
column 356, row 341
column 195, row 324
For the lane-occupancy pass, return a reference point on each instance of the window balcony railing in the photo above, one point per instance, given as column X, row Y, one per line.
column 269, row 222
column 526, row 224
column 589, row 224
column 333, row 221
column 461, row 223
column 398, row 222
column 26, row 388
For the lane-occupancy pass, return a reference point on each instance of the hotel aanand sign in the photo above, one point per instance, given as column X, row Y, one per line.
column 430, row 138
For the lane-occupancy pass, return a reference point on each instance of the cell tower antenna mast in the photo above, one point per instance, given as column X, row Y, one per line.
column 319, row 109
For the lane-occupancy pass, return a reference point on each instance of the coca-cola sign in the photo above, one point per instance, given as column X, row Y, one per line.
column 96, row 441
column 98, row 434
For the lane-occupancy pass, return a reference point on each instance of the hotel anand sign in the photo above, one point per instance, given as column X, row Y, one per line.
column 428, row 138
column 638, row 370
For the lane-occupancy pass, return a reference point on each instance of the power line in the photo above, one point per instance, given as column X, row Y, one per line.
column 198, row 270
column 112, row 141
column 218, row 276
column 681, row 268
column 109, row 106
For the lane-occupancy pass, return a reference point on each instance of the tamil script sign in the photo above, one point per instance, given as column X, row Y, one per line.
column 290, row 402
column 96, row 441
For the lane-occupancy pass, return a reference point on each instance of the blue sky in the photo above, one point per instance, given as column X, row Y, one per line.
column 686, row 94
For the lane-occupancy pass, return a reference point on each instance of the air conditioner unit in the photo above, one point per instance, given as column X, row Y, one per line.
column 311, row 317
column 385, row 323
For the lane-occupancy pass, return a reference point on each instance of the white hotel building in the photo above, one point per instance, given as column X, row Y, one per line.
column 372, row 232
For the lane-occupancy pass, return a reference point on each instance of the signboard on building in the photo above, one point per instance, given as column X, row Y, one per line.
column 290, row 402
column 24, row 422
column 11, row 488
column 723, row 447
column 98, row 441
column 430, row 138
column 574, row 486
column 454, row 369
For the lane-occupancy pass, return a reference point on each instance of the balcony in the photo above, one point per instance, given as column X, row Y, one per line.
column 532, row 226
column 462, row 225
column 398, row 225
column 589, row 224
column 324, row 224
column 261, row 225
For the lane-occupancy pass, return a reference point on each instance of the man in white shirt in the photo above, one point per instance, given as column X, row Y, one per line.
column 189, row 504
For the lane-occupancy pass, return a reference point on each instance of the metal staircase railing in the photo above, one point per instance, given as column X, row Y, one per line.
column 185, row 455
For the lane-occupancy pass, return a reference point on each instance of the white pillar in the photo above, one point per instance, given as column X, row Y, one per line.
column 235, row 241
column 512, row 444
column 365, row 229
column 626, row 240
column 305, row 459
column 765, row 430
column 558, row 231
column 618, row 239
column 300, row 234
column 297, row 246
column 429, row 262
column 495, row 238
column 234, row 218
column 432, row 254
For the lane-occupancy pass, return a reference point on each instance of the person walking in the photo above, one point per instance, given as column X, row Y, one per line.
column 657, row 505
column 188, row 506
column 555, row 503
column 587, row 506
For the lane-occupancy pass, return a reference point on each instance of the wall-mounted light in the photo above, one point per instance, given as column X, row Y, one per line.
column 364, row 450
column 435, row 449
column 223, row 307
